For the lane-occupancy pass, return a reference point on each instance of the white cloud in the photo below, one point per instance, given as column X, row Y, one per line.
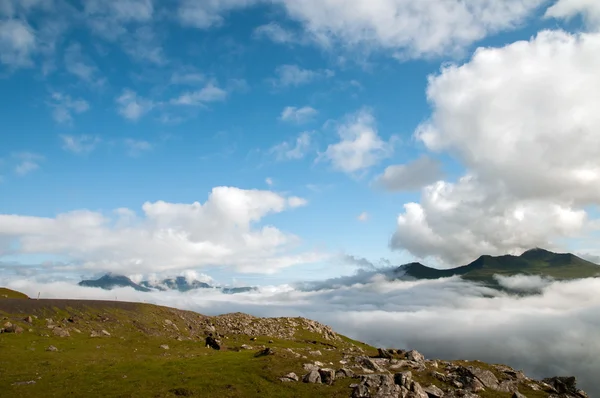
column 169, row 236
column 81, row 66
column 108, row 18
column 294, row 150
column 64, row 106
column 274, row 32
column 137, row 147
column 293, row 75
column 206, row 14
column 360, row 146
column 209, row 93
column 17, row 43
column 567, row 9
column 524, row 122
column 27, row 162
column 187, row 77
column 445, row 319
column 298, row 115
column 269, row 181
column 403, row 27
column 80, row 144
column 131, row 106
column 410, row 176
column 363, row 217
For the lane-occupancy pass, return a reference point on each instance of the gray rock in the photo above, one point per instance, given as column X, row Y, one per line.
column 415, row 356
column 104, row 332
column 290, row 377
column 60, row 332
column 403, row 379
column 433, row 391
column 51, row 348
column 327, row 375
column 312, row 377
column 164, row 347
column 360, row 391
column 344, row 373
column 417, row 390
column 368, row 363
column 486, row 377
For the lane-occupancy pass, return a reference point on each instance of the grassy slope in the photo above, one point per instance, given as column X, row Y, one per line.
column 130, row 363
column 7, row 293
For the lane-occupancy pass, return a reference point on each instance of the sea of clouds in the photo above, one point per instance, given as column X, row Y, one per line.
column 552, row 332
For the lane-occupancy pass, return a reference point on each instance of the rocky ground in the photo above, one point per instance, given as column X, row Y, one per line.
column 101, row 348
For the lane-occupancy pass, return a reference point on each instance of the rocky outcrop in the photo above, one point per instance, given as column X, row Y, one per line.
column 379, row 378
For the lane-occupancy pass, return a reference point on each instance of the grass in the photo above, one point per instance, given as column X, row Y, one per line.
column 7, row 293
column 131, row 363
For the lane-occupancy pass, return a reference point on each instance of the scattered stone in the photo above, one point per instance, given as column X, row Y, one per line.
column 486, row 377
column 265, row 352
column 247, row 347
column 360, row 391
column 382, row 353
column 104, row 332
column 315, row 353
column 403, row 379
column 168, row 322
column 29, row 319
column 270, row 341
column 164, row 347
column 312, row 377
column 23, row 383
column 565, row 385
column 60, row 332
column 415, row 356
column 289, row 377
column 52, row 348
column 435, row 392
column 327, row 375
column 368, row 363
column 344, row 373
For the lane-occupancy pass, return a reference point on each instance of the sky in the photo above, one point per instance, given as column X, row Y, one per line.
column 265, row 141
column 282, row 143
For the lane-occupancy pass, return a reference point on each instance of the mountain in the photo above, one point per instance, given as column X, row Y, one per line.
column 92, row 348
column 111, row 281
column 179, row 283
column 540, row 262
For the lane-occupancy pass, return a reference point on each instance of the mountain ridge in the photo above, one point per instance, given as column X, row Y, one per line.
column 537, row 261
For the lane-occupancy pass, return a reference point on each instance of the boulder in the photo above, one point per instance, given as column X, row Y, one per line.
column 368, row 363
column 60, row 332
column 51, row 348
column 104, row 332
column 486, row 377
column 360, row 391
column 164, row 347
column 565, row 385
column 382, row 353
column 29, row 319
column 415, row 356
column 312, row 377
column 344, row 373
column 289, row 377
column 433, row 391
column 327, row 375
column 403, row 379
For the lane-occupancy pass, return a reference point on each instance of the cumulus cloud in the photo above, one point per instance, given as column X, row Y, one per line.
column 363, row 217
column 132, row 106
column 64, row 107
column 547, row 334
column 169, row 236
column 567, row 9
column 524, row 122
column 298, row 115
column 294, row 75
column 80, row 144
column 401, row 27
column 360, row 146
column 293, row 150
column 410, row 176
column 80, row 65
column 276, row 33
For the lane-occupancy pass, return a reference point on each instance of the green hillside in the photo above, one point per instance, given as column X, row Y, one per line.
column 539, row 262
column 85, row 348
column 7, row 293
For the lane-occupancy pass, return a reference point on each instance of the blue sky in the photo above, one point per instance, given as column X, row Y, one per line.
column 108, row 105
